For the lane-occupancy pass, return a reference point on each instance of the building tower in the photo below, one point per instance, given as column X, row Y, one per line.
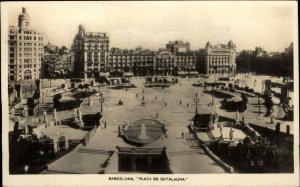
column 25, row 50
column 24, row 20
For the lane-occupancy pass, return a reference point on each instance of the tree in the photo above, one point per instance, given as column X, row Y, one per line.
column 61, row 51
column 36, row 95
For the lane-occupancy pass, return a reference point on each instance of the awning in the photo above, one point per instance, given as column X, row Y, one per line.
column 104, row 74
column 182, row 73
column 128, row 74
column 194, row 73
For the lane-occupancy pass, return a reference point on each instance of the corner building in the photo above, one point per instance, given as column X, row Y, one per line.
column 220, row 59
column 91, row 51
column 25, row 48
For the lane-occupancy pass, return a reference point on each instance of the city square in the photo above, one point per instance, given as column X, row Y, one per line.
column 100, row 99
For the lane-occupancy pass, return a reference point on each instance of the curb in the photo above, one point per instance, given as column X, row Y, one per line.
column 228, row 168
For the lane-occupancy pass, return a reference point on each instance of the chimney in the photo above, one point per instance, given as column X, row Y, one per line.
column 23, row 10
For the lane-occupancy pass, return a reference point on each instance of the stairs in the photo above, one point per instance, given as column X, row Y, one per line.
column 191, row 140
column 211, row 136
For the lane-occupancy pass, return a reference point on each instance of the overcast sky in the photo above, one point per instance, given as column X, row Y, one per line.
column 153, row 24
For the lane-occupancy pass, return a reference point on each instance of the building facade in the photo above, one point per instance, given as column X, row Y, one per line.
column 165, row 62
column 220, row 59
column 91, row 53
column 178, row 46
column 25, row 48
column 186, row 63
column 139, row 62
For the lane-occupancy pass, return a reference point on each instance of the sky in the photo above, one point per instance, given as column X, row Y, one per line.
column 153, row 24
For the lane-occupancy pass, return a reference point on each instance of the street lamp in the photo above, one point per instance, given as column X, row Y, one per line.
column 196, row 103
column 101, row 98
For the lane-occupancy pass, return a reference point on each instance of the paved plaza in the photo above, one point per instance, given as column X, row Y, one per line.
column 174, row 107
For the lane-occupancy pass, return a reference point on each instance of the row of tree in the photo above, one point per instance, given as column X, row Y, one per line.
column 281, row 65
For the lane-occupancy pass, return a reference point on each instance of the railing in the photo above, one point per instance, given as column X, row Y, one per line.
column 140, row 150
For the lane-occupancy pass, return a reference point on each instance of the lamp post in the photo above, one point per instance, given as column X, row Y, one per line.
column 196, row 103
column 258, row 105
column 50, row 81
column 99, row 86
column 101, row 98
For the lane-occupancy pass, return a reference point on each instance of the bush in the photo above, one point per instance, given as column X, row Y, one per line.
column 244, row 98
column 80, row 86
column 56, row 100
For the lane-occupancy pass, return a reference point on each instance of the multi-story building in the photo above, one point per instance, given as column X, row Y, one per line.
column 178, row 46
column 91, row 51
column 186, row 63
column 139, row 62
column 25, row 48
column 165, row 62
column 220, row 59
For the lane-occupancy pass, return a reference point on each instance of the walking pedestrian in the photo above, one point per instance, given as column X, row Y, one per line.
column 182, row 135
column 180, row 102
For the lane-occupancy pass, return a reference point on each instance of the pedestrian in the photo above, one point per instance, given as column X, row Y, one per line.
column 180, row 102
column 105, row 125
column 156, row 115
column 166, row 104
column 182, row 135
column 187, row 105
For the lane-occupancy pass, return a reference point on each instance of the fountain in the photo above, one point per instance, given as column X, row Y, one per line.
column 143, row 135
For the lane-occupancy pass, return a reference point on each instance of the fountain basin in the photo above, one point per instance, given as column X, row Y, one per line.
column 144, row 131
